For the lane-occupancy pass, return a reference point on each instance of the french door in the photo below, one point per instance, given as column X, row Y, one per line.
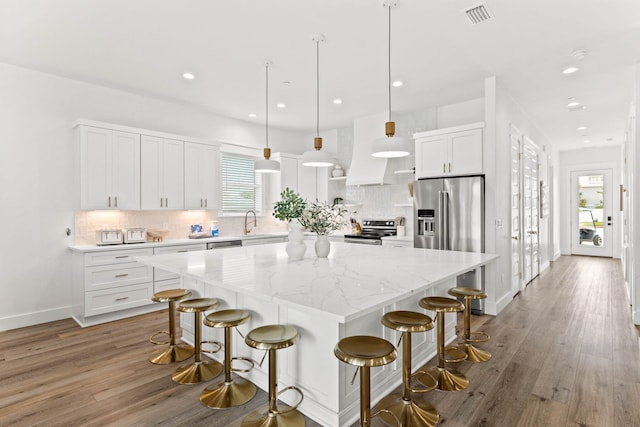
column 591, row 212
column 530, row 210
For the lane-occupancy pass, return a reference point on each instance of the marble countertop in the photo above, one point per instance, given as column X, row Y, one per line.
column 172, row 242
column 352, row 281
column 398, row 238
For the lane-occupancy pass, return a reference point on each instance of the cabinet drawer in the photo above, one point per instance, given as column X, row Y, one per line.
column 115, row 257
column 116, row 299
column 164, row 285
column 165, row 275
column 110, row 276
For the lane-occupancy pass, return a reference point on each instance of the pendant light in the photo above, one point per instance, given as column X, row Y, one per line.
column 316, row 157
column 266, row 165
column 390, row 146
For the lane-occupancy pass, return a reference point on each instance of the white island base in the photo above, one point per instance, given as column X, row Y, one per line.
column 326, row 299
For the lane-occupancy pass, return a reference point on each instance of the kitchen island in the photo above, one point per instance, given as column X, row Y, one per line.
column 326, row 299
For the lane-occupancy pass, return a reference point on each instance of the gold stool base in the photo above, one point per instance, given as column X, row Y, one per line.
column 409, row 412
column 448, row 379
column 197, row 372
column 261, row 417
column 175, row 353
column 228, row 394
column 475, row 354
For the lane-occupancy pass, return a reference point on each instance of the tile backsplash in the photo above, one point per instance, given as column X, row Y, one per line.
column 178, row 223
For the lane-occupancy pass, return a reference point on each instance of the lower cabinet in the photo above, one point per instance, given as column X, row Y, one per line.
column 163, row 280
column 110, row 285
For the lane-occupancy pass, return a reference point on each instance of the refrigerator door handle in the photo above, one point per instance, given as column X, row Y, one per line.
column 444, row 202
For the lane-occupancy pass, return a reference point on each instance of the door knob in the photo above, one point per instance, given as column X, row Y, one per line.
column 514, row 237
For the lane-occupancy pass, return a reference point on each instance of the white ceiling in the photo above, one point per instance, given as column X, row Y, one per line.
column 144, row 46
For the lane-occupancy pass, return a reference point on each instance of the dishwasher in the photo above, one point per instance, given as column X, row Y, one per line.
column 224, row 244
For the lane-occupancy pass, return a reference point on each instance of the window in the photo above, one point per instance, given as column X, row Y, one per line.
column 241, row 186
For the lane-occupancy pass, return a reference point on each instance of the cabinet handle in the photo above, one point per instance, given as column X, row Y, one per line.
column 444, row 168
column 122, row 298
column 449, row 166
column 116, row 201
column 160, row 201
column 205, row 202
column 121, row 275
column 201, row 203
column 166, row 202
column 122, row 256
column 109, row 203
column 184, row 250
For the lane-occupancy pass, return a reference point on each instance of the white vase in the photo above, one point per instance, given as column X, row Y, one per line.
column 322, row 246
column 295, row 247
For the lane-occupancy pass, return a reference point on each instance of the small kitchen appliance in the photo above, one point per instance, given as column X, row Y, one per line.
column 135, row 235
column 109, row 237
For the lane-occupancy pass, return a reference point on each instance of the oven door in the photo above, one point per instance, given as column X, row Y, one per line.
column 363, row 240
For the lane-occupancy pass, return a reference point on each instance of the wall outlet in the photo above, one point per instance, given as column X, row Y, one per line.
column 165, row 225
column 499, row 224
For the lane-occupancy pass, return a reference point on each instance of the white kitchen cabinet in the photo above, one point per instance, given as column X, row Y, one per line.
column 451, row 151
column 161, row 173
column 313, row 183
column 110, row 285
column 202, row 176
column 109, row 168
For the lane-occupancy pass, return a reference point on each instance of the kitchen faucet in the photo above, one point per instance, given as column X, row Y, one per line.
column 255, row 221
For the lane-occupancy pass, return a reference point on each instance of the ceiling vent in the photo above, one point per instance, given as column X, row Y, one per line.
column 478, row 13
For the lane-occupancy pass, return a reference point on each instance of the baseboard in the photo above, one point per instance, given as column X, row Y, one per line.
column 556, row 256
column 495, row 308
column 544, row 266
column 636, row 317
column 34, row 318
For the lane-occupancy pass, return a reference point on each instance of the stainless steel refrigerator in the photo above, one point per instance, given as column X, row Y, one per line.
column 449, row 215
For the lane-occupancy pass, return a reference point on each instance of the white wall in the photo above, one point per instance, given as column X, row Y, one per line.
column 36, row 170
column 501, row 111
column 588, row 158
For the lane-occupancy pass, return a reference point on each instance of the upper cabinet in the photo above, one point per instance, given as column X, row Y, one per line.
column 202, row 176
column 109, row 168
column 450, row 151
column 313, row 183
column 162, row 173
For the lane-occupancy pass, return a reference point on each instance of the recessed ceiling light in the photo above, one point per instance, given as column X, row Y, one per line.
column 253, row 115
column 337, row 101
column 281, row 105
column 189, row 76
column 573, row 104
column 397, row 83
column 579, row 54
column 570, row 70
column 586, row 141
column 582, row 128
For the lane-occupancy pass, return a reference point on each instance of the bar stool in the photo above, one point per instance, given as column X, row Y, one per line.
column 177, row 352
column 474, row 354
column 448, row 379
column 364, row 352
column 408, row 411
column 233, row 390
column 273, row 338
column 198, row 371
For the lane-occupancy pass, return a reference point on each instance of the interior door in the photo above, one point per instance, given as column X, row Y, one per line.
column 591, row 212
column 530, row 206
column 516, row 198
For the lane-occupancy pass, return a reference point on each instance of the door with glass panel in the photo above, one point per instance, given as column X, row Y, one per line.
column 516, row 208
column 591, row 213
column 530, row 211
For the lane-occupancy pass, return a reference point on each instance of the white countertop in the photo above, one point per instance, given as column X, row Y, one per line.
column 398, row 238
column 172, row 242
column 352, row 281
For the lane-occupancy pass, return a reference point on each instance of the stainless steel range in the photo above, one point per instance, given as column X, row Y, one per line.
column 373, row 230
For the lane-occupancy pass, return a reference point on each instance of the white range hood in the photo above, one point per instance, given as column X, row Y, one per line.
column 366, row 169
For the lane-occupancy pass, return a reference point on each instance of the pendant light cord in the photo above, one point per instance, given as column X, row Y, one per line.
column 389, row 63
column 266, row 121
column 318, row 88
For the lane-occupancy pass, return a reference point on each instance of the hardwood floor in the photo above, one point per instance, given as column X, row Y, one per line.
column 565, row 353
